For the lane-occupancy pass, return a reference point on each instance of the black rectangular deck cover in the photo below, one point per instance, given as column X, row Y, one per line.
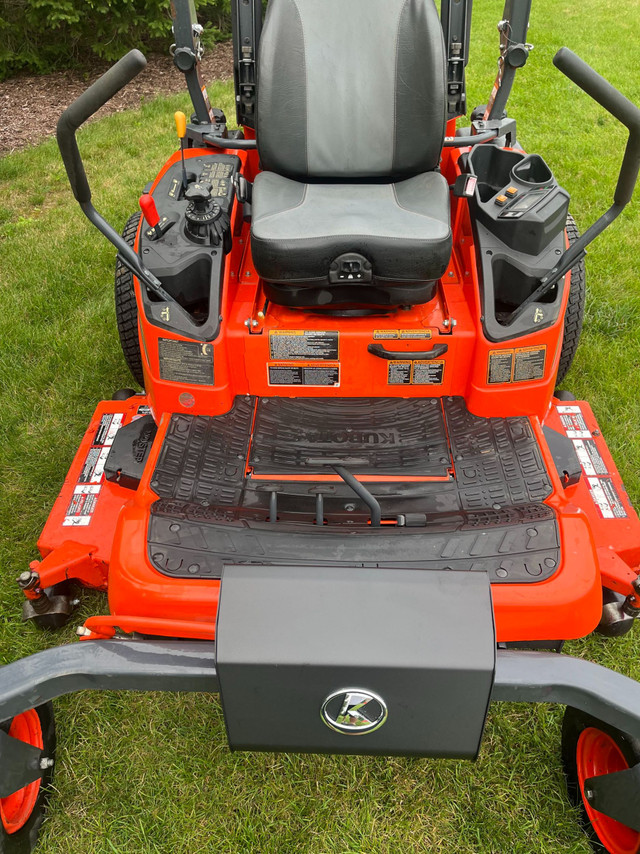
column 355, row 660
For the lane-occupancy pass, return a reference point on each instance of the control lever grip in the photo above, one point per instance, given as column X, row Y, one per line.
column 615, row 103
column 96, row 96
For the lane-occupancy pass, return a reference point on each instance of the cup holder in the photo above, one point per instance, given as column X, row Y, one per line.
column 532, row 171
column 493, row 166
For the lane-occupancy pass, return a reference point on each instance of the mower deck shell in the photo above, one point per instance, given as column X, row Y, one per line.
column 567, row 605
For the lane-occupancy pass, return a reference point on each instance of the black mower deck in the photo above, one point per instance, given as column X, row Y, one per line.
column 467, row 490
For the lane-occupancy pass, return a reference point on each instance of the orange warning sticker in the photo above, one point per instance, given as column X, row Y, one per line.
column 518, row 365
column 415, row 372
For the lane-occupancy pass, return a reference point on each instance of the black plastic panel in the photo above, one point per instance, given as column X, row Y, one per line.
column 289, row 638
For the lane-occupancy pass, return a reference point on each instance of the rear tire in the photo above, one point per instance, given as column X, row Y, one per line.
column 588, row 743
column 574, row 314
column 127, row 307
column 22, row 814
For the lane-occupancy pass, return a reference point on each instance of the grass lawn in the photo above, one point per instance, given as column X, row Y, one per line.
column 152, row 773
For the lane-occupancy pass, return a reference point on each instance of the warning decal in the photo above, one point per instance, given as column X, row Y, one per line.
column 573, row 422
column 185, row 361
column 521, row 365
column 303, row 346
column 606, row 498
column 401, row 334
column 85, row 494
column 417, row 372
column 529, row 364
column 589, row 456
column 601, row 486
column 500, row 366
column 304, row 373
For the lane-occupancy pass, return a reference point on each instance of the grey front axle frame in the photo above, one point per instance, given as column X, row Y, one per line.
column 150, row 665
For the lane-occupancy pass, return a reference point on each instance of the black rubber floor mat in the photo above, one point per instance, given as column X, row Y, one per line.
column 383, row 436
column 497, row 460
column 203, row 458
column 516, row 545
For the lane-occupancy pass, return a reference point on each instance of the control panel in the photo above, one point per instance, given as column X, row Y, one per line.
column 186, row 239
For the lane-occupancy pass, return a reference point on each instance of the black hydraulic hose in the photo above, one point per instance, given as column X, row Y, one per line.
column 370, row 500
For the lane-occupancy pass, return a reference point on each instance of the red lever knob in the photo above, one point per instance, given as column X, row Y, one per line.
column 149, row 210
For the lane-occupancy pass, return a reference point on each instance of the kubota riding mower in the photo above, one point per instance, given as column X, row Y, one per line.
column 348, row 499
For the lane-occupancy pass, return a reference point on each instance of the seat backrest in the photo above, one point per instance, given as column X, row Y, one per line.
column 351, row 89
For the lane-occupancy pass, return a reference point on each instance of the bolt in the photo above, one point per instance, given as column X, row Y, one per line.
column 247, row 322
column 446, row 322
column 248, row 273
column 588, row 793
column 450, row 274
column 45, row 763
column 254, row 323
column 28, row 580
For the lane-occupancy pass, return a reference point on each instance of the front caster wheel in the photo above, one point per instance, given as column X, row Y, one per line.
column 591, row 748
column 22, row 812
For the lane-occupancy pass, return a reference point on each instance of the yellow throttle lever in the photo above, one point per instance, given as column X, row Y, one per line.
column 181, row 124
column 181, row 128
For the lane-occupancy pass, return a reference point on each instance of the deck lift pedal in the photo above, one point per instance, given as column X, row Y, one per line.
column 349, row 498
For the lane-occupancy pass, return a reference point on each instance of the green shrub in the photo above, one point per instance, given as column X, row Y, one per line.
column 42, row 35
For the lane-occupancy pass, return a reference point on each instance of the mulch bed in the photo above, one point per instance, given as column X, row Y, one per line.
column 30, row 105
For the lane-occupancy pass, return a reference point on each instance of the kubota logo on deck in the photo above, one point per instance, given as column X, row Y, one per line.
column 353, row 437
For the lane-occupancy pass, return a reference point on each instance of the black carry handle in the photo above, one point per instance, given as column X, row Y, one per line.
column 628, row 114
column 614, row 102
column 96, row 96
column 406, row 355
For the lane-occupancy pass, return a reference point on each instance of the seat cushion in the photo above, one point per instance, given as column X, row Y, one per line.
column 299, row 229
column 352, row 89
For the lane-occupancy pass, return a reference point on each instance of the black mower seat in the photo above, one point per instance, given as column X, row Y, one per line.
column 351, row 113
column 301, row 231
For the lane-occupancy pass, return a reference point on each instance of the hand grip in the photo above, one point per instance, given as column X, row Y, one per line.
column 85, row 106
column 149, row 210
column 621, row 108
column 407, row 355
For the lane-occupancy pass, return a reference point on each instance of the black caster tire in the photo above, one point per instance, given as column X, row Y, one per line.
column 123, row 394
column 127, row 307
column 591, row 747
column 22, row 814
column 574, row 315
